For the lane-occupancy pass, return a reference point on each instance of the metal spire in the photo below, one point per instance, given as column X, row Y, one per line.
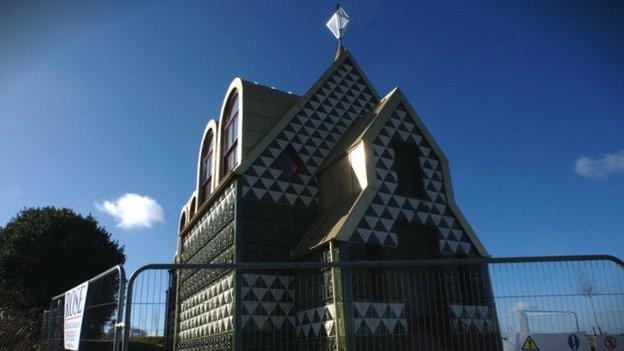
column 337, row 23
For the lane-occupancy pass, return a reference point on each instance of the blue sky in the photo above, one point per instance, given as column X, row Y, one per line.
column 102, row 99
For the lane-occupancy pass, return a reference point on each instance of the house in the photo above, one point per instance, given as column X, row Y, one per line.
column 338, row 174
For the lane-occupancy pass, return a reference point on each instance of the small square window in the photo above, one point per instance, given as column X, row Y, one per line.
column 417, row 242
column 289, row 161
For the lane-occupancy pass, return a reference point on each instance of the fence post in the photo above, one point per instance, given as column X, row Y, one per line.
column 120, row 303
column 166, row 330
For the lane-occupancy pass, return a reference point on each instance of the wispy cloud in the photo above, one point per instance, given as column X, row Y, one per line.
column 600, row 168
column 520, row 306
column 133, row 211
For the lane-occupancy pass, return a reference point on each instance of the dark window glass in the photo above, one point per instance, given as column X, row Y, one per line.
column 182, row 221
column 207, row 164
column 230, row 133
column 206, row 167
column 409, row 171
column 289, row 161
column 373, row 252
column 417, row 242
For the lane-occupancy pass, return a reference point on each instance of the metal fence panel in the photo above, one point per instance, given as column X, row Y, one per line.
column 103, row 310
column 455, row 304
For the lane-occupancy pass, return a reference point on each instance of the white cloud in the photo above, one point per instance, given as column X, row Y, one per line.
column 600, row 168
column 133, row 211
column 520, row 306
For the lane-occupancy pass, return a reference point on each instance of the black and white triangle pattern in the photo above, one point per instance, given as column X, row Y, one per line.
column 213, row 219
column 378, row 226
column 472, row 318
column 313, row 132
column 210, row 311
column 372, row 318
column 316, row 322
column 267, row 301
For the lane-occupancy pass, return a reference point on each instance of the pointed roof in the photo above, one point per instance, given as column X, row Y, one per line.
column 340, row 50
column 343, row 56
column 343, row 221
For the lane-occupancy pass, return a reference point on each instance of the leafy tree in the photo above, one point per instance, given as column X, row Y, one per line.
column 45, row 252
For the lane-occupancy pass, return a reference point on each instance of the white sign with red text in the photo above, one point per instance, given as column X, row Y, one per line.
column 74, row 309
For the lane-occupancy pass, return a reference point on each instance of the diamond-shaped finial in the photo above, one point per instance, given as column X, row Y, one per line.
column 337, row 24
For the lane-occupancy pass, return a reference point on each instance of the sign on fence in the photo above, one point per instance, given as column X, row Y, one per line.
column 609, row 342
column 551, row 342
column 75, row 300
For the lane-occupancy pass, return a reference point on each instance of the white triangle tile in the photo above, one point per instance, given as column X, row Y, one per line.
column 381, row 236
column 268, row 279
column 259, row 292
column 250, row 278
column 361, row 307
column 372, row 324
column 260, row 320
column 285, row 280
column 332, row 310
column 364, row 234
column 453, row 244
column 329, row 325
column 385, row 198
column 278, row 293
column 466, row 246
column 305, row 329
column 397, row 308
column 389, row 323
column 268, row 306
column 286, row 307
column 379, row 308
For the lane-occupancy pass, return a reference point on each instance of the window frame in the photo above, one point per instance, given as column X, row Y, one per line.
column 291, row 154
column 206, row 162
column 232, row 117
column 410, row 175
column 182, row 223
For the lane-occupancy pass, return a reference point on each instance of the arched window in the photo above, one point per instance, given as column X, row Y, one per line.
column 229, row 145
column 205, row 174
column 193, row 207
column 182, row 221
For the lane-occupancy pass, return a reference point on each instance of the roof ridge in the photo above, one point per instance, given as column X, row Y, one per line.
column 255, row 153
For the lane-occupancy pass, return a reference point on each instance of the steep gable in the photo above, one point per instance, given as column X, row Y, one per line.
column 378, row 223
column 374, row 216
column 312, row 128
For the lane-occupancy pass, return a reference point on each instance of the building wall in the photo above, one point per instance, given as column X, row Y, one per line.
column 263, row 108
column 389, row 308
column 269, row 230
column 277, row 209
column 205, row 318
column 389, row 208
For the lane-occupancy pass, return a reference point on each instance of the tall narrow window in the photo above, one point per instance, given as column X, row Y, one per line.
column 193, row 207
column 409, row 172
column 206, row 167
column 230, row 133
column 182, row 221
